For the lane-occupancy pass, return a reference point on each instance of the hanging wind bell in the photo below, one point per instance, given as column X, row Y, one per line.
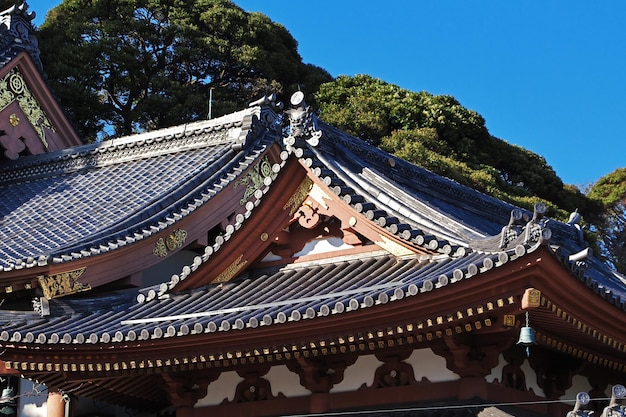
column 527, row 336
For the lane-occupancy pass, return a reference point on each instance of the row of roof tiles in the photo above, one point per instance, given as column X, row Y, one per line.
column 288, row 294
column 86, row 201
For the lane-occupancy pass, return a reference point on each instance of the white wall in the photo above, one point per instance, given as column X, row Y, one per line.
column 430, row 366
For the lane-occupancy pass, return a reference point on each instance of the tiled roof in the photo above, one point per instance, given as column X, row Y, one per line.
column 92, row 199
column 425, row 201
column 440, row 214
column 464, row 226
column 287, row 294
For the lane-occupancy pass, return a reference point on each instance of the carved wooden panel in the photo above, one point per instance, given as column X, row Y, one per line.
column 24, row 123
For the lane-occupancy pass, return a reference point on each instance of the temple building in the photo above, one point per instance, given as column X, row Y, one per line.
column 265, row 263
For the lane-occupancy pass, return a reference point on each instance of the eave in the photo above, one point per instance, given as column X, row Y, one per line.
column 435, row 317
column 122, row 253
column 493, row 294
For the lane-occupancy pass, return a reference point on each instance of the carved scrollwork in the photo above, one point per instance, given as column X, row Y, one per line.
column 185, row 392
column 172, row 242
column 512, row 374
column 255, row 179
column 296, row 200
column 319, row 375
column 64, row 283
column 394, row 372
column 254, row 388
column 232, row 270
column 13, row 88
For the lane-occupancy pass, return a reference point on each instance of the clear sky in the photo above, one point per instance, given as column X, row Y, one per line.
column 546, row 75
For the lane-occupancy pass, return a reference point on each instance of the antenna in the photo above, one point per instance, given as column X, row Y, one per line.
column 210, row 102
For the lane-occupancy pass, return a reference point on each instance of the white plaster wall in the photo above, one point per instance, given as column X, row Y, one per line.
column 425, row 363
column 361, row 372
column 579, row 384
column 322, row 246
column 220, row 389
column 286, row 382
column 529, row 374
column 531, row 379
column 430, row 366
column 496, row 373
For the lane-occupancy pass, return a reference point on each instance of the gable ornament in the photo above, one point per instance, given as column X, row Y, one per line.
column 172, row 242
column 19, row 105
column 64, row 283
column 255, row 179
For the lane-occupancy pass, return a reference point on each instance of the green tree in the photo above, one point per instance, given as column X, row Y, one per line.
column 610, row 224
column 438, row 133
column 124, row 66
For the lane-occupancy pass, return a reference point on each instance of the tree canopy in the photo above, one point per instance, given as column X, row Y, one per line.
column 123, row 66
column 438, row 133
column 610, row 191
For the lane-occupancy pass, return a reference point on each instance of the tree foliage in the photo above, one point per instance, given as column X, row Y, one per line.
column 438, row 133
column 123, row 66
column 6, row 4
column 610, row 191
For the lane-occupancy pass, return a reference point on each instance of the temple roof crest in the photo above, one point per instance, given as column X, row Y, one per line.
column 16, row 31
column 302, row 122
column 521, row 230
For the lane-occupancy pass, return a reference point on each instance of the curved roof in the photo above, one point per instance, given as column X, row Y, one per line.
column 463, row 248
column 259, row 298
column 88, row 200
column 182, row 167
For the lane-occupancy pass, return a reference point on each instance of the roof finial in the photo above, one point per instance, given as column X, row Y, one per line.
column 302, row 121
column 574, row 221
column 16, row 30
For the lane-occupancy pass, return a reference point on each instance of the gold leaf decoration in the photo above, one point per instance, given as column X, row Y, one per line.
column 298, row 197
column 254, row 179
column 160, row 249
column 14, row 88
column 172, row 242
column 64, row 283
column 231, row 270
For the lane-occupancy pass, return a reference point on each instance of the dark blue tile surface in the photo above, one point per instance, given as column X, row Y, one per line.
column 95, row 198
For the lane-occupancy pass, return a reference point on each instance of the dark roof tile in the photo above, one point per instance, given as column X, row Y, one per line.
column 97, row 198
column 262, row 298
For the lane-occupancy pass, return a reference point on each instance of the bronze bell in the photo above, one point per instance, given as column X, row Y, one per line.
column 527, row 336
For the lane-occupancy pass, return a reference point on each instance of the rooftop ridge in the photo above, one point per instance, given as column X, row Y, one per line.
column 443, row 187
column 442, row 183
column 230, row 128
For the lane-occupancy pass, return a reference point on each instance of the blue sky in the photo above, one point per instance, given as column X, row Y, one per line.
column 549, row 76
